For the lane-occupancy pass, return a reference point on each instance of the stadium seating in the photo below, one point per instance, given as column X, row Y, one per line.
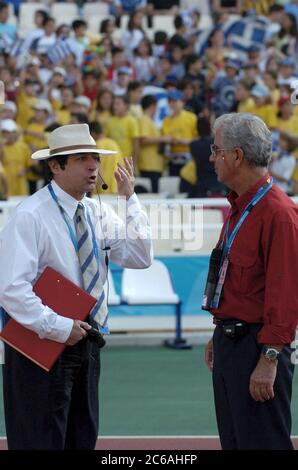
column 169, row 185
column 65, row 11
column 139, row 286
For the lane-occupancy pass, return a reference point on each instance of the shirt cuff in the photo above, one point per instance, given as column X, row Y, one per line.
column 55, row 327
column 134, row 200
column 271, row 334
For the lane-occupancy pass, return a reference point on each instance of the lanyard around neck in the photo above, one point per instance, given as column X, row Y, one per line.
column 72, row 234
column 228, row 240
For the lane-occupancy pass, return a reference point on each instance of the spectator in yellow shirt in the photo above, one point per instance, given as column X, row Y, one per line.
column 3, row 180
column 151, row 163
column 181, row 125
column 103, row 111
column 134, row 93
column 109, row 165
column 67, row 98
column 35, row 137
column 123, row 128
column 287, row 121
column 263, row 106
column 245, row 103
column 15, row 158
column 270, row 80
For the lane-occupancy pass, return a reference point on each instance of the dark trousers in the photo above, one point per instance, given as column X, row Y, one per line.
column 53, row 410
column 174, row 168
column 244, row 423
column 154, row 177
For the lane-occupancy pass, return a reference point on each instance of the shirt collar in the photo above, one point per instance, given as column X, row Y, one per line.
column 66, row 201
column 238, row 203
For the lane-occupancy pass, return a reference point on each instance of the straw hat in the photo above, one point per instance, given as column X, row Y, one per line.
column 69, row 140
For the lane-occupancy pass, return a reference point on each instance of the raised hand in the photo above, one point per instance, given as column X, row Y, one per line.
column 125, row 178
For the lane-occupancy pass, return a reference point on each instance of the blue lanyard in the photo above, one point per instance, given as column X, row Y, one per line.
column 228, row 240
column 70, row 229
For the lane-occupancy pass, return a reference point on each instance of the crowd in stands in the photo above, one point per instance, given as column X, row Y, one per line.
column 146, row 92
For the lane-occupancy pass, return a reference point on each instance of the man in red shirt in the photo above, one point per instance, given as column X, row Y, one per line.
column 252, row 292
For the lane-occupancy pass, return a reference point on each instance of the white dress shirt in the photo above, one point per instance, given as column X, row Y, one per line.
column 37, row 236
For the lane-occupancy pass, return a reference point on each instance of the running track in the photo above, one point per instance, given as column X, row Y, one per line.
column 156, row 443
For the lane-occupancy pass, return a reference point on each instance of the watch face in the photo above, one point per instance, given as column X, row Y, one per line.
column 271, row 353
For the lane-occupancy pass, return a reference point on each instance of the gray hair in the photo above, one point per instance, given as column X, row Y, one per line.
column 250, row 133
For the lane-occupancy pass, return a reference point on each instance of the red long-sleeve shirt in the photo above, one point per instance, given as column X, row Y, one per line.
column 261, row 284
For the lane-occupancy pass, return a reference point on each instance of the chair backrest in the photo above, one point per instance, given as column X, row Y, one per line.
column 67, row 11
column 169, row 185
column 148, row 286
column 203, row 5
column 95, row 8
column 144, row 182
column 26, row 16
column 94, row 22
column 114, row 298
column 164, row 23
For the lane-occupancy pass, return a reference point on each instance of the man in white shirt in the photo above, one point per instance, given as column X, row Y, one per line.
column 59, row 409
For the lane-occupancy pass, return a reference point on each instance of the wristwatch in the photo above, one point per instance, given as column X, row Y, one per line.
column 270, row 353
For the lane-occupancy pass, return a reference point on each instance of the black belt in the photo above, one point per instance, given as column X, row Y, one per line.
column 227, row 321
column 232, row 328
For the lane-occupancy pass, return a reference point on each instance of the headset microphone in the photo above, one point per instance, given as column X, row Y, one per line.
column 104, row 185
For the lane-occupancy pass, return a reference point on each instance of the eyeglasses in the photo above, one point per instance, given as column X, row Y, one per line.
column 214, row 149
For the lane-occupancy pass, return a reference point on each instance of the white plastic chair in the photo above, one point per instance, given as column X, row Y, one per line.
column 153, row 286
column 169, row 185
column 145, row 182
column 95, row 9
column 26, row 17
column 164, row 23
column 148, row 286
column 65, row 11
column 94, row 23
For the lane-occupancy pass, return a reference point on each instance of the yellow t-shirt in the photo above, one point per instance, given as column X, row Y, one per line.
column 136, row 111
column 25, row 111
column 290, row 125
column 123, row 130
column 63, row 116
column 189, row 172
column 275, row 95
column 102, row 117
column 16, row 159
column 268, row 113
column 183, row 126
column 261, row 7
column 36, row 143
column 246, row 106
column 2, row 178
column 108, row 164
column 150, row 159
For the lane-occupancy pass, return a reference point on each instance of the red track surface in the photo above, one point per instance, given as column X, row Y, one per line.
column 156, row 443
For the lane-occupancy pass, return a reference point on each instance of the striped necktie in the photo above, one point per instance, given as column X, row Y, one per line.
column 89, row 267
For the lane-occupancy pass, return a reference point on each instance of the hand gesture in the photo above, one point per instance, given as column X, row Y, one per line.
column 125, row 178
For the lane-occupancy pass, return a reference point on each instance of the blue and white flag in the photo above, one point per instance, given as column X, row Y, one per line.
column 17, row 48
column 59, row 51
column 245, row 33
column 5, row 43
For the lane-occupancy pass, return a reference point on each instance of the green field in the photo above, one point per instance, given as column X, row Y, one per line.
column 157, row 391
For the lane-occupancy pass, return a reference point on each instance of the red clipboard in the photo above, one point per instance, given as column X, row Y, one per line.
column 62, row 296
